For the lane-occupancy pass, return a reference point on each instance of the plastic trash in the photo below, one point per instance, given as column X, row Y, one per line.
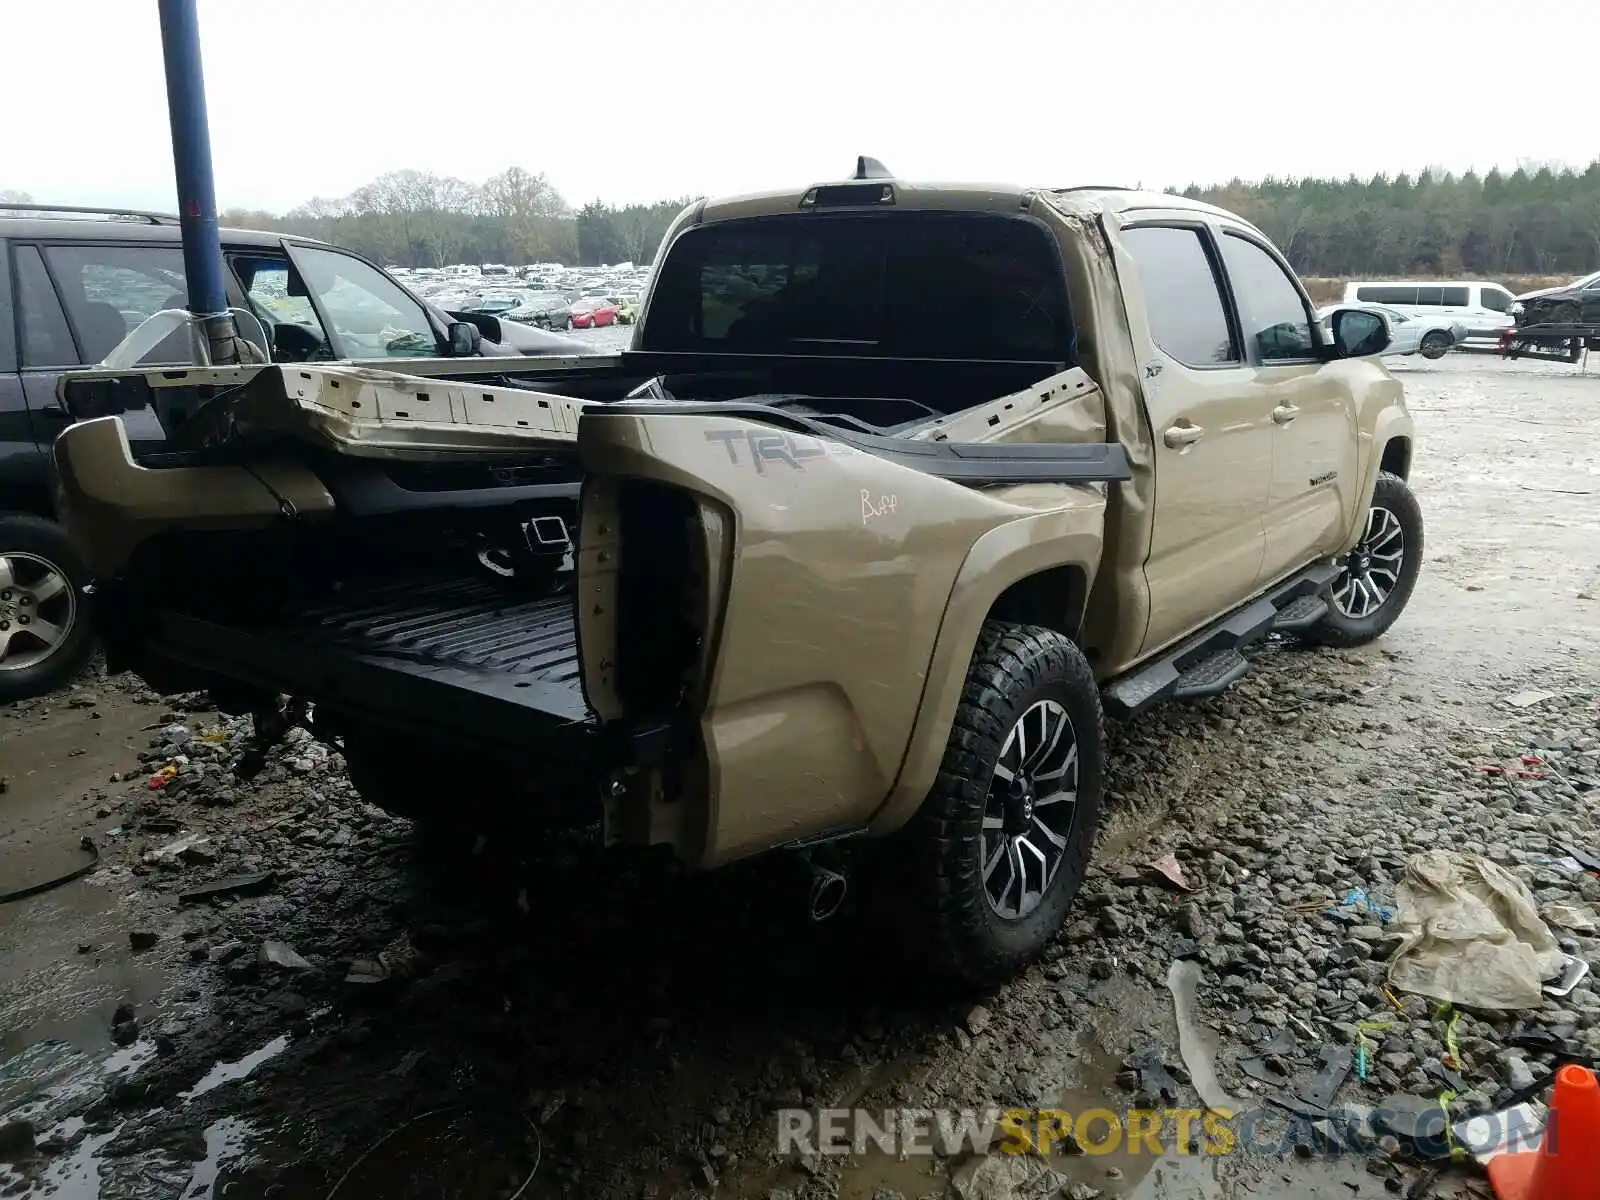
column 1470, row 934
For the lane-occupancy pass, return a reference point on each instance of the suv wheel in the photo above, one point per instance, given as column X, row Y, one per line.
column 1380, row 573
column 1000, row 846
column 44, row 638
column 1435, row 345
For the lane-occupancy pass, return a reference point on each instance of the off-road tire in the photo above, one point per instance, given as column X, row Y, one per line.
column 45, row 540
column 959, row 934
column 1435, row 345
column 1338, row 628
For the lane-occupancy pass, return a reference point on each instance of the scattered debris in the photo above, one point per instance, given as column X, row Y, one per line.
column 33, row 889
column 232, row 885
column 1529, row 699
column 281, row 954
column 1167, row 867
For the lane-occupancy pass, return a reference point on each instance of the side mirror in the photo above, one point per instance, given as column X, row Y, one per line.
column 464, row 339
column 1358, row 332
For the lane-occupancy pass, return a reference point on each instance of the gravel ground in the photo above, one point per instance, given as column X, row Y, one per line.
column 398, row 1015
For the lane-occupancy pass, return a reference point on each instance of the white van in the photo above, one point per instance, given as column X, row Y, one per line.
column 1483, row 308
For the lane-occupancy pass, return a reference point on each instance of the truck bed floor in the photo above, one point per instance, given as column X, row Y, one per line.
column 462, row 656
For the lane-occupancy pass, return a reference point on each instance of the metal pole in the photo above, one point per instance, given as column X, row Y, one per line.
column 191, row 158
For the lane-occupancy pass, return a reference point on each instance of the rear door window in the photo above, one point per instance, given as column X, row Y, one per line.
column 110, row 290
column 1181, row 294
column 1277, row 324
column 46, row 338
column 1431, row 297
column 1457, row 297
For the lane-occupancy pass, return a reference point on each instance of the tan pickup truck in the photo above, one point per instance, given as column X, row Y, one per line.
column 896, row 491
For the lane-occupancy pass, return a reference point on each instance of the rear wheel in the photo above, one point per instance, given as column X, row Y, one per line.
column 1380, row 573
column 1435, row 344
column 44, row 637
column 1000, row 846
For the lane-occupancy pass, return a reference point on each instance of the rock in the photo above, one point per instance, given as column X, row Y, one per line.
column 226, row 952
column 1081, row 1191
column 281, row 954
column 1190, row 921
column 1100, row 967
column 142, row 939
column 978, row 1020
column 1517, row 1073
column 997, row 1177
column 125, row 1033
column 1366, row 933
column 1112, row 922
column 16, row 1140
column 124, row 1012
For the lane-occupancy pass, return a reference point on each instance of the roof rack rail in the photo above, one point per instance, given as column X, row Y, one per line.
column 153, row 218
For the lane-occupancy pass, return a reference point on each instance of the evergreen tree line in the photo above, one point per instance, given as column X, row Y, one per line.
column 1531, row 221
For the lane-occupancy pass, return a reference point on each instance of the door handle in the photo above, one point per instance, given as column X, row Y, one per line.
column 1285, row 413
column 54, row 411
column 1178, row 436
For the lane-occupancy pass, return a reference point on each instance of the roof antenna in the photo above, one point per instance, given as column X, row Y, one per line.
column 871, row 168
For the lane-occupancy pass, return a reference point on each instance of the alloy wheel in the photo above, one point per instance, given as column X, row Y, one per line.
column 1372, row 570
column 1030, row 810
column 37, row 609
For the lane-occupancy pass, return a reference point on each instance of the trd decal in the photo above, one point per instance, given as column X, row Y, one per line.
column 759, row 448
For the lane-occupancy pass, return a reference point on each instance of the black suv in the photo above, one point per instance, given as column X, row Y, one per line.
column 73, row 284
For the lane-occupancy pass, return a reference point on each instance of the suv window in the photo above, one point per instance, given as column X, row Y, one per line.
column 297, row 333
column 372, row 317
column 46, row 340
column 1273, row 311
column 1187, row 317
column 1431, row 296
column 110, row 290
column 1387, row 295
column 1458, row 297
column 1496, row 301
column 901, row 284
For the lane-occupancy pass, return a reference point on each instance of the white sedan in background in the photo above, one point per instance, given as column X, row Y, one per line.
column 1430, row 337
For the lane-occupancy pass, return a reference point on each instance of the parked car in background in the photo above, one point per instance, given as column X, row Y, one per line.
column 1576, row 303
column 75, row 283
column 627, row 308
column 496, row 304
column 1483, row 308
column 1431, row 337
column 589, row 313
column 547, row 310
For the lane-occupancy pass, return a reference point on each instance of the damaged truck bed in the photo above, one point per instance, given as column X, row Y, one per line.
column 270, row 469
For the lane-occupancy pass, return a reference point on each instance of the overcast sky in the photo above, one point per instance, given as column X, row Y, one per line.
column 645, row 99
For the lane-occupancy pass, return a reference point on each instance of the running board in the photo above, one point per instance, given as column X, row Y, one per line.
column 1209, row 662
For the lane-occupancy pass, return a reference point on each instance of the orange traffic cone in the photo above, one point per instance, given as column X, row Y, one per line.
column 1566, row 1166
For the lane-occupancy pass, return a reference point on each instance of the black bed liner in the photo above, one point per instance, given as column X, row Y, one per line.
column 464, row 658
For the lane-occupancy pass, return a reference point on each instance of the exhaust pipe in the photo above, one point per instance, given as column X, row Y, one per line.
column 828, row 888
